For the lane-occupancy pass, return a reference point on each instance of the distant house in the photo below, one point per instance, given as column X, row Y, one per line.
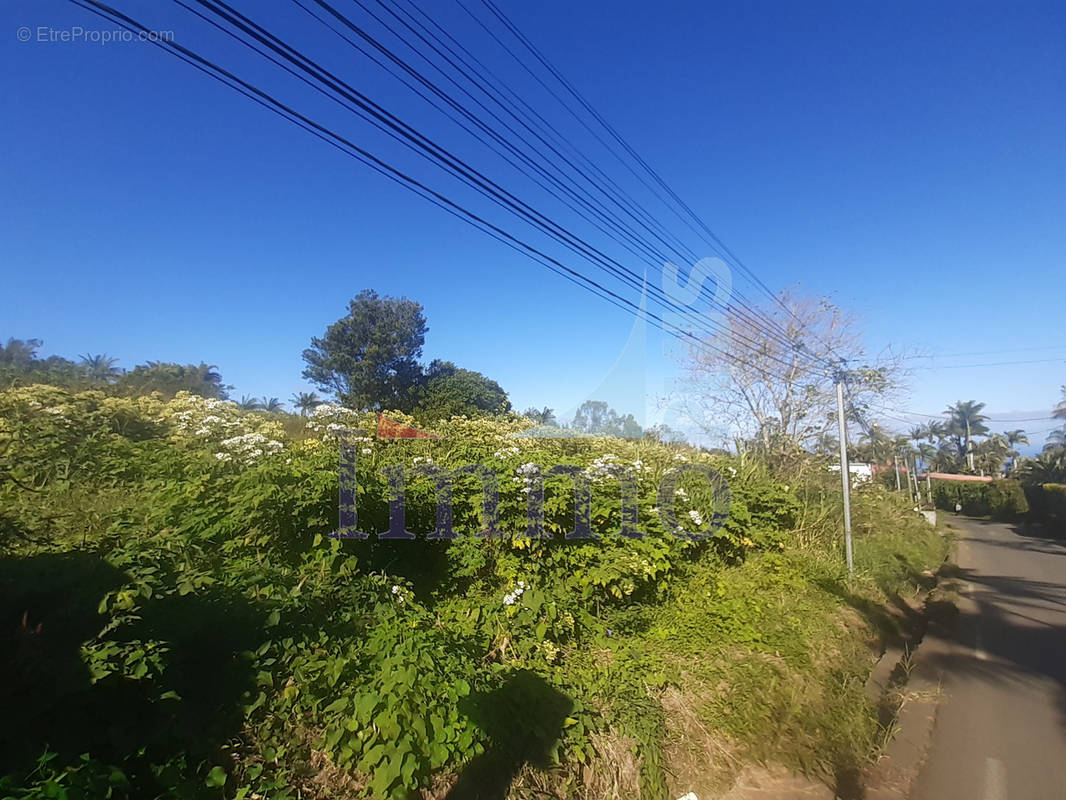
column 860, row 473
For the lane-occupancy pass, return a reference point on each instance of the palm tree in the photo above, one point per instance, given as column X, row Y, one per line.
column 875, row 446
column 935, row 430
column 19, row 351
column 1015, row 438
column 542, row 416
column 271, row 404
column 100, row 366
column 304, row 402
column 1056, row 440
column 1060, row 407
column 1048, row 467
column 946, row 458
column 918, row 434
column 249, row 403
column 965, row 421
column 991, row 453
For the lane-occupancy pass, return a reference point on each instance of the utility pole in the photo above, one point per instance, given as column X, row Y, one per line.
column 895, row 461
column 969, row 446
column 845, row 472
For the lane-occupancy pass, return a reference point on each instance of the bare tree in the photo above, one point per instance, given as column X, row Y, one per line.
column 771, row 383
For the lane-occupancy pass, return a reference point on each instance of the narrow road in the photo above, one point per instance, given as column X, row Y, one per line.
column 1000, row 732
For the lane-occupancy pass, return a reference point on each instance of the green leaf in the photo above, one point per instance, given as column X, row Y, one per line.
column 216, row 777
column 339, row 704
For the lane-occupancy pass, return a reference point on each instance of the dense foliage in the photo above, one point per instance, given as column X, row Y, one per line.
column 1002, row 499
column 1047, row 503
column 368, row 359
column 177, row 622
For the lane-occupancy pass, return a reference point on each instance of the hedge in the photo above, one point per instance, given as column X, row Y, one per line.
column 1002, row 499
column 1047, row 503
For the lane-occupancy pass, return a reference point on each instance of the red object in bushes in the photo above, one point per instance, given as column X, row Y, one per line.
column 391, row 429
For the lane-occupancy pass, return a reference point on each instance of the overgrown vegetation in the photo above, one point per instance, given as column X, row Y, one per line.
column 1047, row 503
column 177, row 622
column 1001, row 499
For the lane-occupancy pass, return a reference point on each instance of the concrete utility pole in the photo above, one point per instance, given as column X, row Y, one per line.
column 895, row 461
column 845, row 472
column 969, row 447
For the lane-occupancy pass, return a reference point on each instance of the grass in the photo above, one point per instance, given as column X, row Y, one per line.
column 771, row 656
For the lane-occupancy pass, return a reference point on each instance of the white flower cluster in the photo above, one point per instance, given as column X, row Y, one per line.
column 602, row 466
column 512, row 597
column 237, row 437
column 681, row 457
column 680, row 492
column 504, row 452
column 399, row 594
column 331, row 421
column 248, row 447
column 609, row 464
column 527, row 477
column 694, row 515
column 421, row 460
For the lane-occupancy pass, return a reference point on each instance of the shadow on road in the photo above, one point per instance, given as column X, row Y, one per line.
column 1017, row 632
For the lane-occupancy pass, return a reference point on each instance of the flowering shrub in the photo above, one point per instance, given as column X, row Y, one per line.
column 318, row 657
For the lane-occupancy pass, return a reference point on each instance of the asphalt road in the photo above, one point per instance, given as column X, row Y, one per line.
column 1000, row 731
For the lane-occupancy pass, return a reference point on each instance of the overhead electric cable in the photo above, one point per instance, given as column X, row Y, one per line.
column 427, row 148
column 345, row 145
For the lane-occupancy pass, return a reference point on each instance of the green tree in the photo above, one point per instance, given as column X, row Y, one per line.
column 1015, row 438
column 1060, row 407
column 168, row 379
column 875, row 446
column 965, row 421
column 990, row 455
column 368, row 358
column 1056, row 440
column 540, row 416
column 597, row 418
column 1048, row 467
column 305, row 402
column 100, row 367
column 249, row 403
column 271, row 404
column 450, row 391
column 663, row 434
column 20, row 352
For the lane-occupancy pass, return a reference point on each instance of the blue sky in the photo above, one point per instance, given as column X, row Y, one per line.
column 908, row 160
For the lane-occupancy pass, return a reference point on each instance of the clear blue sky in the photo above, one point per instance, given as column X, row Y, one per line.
column 907, row 159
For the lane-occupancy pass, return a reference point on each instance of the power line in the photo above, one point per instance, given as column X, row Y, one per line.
column 1061, row 359
column 987, row 419
column 709, row 236
column 349, row 148
column 986, row 352
column 422, row 145
column 749, row 315
column 716, row 245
